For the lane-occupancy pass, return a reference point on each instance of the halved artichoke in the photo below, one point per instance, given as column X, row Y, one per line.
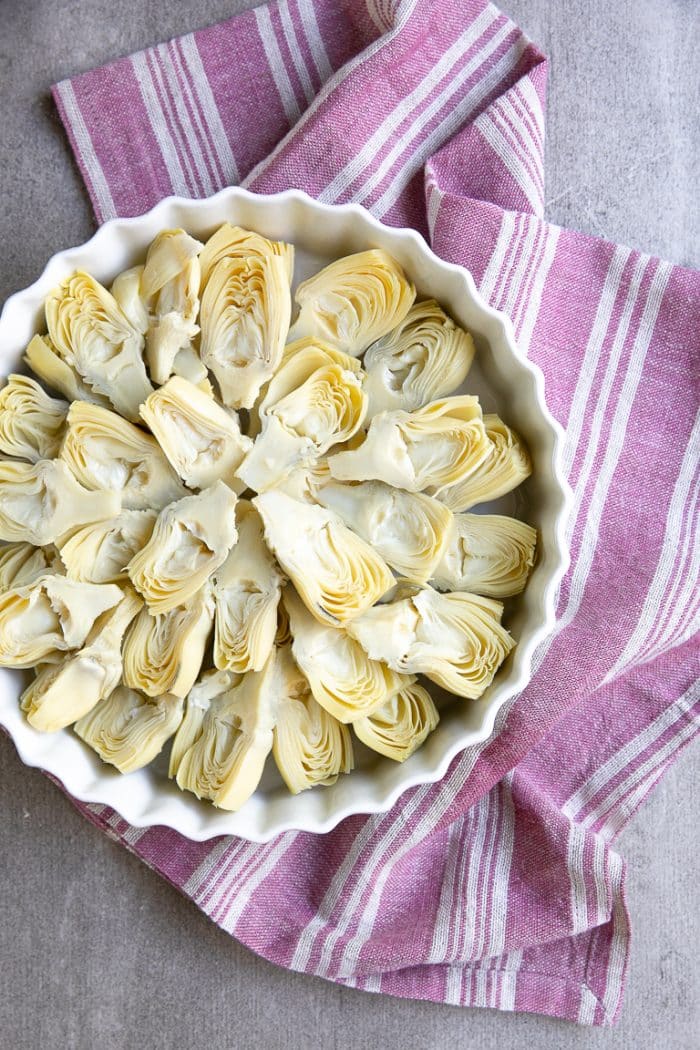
column 128, row 729
column 42, row 502
column 226, row 760
column 506, row 466
column 424, row 358
column 309, row 746
column 233, row 242
column 170, row 289
column 305, row 482
column 199, row 698
column 31, row 422
column 22, row 563
column 244, row 317
column 101, row 551
column 455, row 639
column 353, row 301
column 50, row 615
column 190, row 539
column 489, row 554
column 430, row 449
column 409, row 530
column 401, row 725
column 201, row 439
column 62, row 693
column 44, row 360
column 336, row 573
column 107, row 453
column 314, row 412
column 164, row 653
column 342, row 678
column 246, row 594
column 95, row 338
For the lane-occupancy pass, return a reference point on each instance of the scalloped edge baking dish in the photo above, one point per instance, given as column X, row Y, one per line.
column 146, row 798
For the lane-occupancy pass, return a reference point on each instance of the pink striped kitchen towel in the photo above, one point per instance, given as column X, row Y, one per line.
column 499, row 886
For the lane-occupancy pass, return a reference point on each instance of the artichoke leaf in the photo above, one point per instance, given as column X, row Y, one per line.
column 456, row 640
column 44, row 361
column 429, row 450
column 49, row 615
column 226, row 760
column 408, row 529
column 424, row 358
column 506, row 466
column 201, row 440
column 126, row 289
column 107, row 453
column 246, row 596
column 170, row 290
column 164, row 653
column 337, row 574
column 342, row 678
column 354, row 301
column 23, row 563
column 31, row 422
column 94, row 337
column 488, row 554
column 42, row 502
column 127, row 729
column 190, row 539
column 63, row 693
column 233, row 242
column 309, row 746
column 401, row 725
column 101, row 551
column 244, row 317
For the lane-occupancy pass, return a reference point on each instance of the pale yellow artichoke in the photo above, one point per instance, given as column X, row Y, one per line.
column 22, row 563
column 505, row 467
column 233, row 242
column 100, row 552
column 31, row 422
column 169, row 287
column 400, row 726
column 128, row 729
column 487, row 553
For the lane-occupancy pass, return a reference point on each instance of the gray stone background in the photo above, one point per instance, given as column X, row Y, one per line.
column 95, row 949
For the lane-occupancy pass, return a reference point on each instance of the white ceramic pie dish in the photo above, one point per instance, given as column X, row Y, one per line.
column 506, row 382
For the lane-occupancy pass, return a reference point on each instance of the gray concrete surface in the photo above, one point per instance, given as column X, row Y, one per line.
column 97, row 951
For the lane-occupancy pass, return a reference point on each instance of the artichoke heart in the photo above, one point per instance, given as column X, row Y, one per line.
column 164, row 653
column 400, row 726
column 95, row 338
column 202, row 441
column 336, row 573
column 22, row 563
column 31, row 422
column 429, row 450
column 100, row 552
column 424, row 358
column 233, row 242
column 106, row 452
column 343, row 679
column 309, row 746
column 311, row 416
column 354, row 301
column 246, row 595
column 199, row 697
column 44, row 361
column 245, row 312
column 170, row 290
column 190, row 539
column 49, row 615
column 507, row 465
column 128, row 729
column 62, row 693
column 226, row 760
column 408, row 529
column 455, row 639
column 489, row 554
column 304, row 483
column 42, row 502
